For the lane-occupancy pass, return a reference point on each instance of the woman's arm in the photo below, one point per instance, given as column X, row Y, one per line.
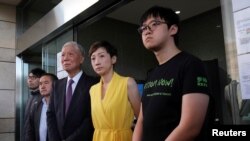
column 133, row 95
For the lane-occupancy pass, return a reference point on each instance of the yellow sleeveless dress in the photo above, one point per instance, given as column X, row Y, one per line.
column 113, row 115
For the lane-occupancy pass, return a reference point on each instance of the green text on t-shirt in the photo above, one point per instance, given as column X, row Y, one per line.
column 201, row 81
column 160, row 82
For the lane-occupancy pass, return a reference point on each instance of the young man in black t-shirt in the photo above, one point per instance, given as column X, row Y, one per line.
column 176, row 97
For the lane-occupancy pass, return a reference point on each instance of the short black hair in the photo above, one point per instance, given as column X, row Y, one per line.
column 38, row 72
column 169, row 15
column 104, row 44
column 51, row 75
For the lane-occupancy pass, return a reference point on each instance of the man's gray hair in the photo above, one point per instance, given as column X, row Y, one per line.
column 76, row 45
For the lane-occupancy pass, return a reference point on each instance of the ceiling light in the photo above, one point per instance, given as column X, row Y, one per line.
column 177, row 12
column 218, row 26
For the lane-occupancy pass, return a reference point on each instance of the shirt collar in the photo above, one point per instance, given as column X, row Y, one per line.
column 76, row 77
column 44, row 101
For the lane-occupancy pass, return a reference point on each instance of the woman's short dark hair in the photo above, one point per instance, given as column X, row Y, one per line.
column 103, row 44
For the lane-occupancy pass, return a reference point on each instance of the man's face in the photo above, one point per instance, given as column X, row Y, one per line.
column 71, row 59
column 33, row 82
column 45, row 85
column 157, row 35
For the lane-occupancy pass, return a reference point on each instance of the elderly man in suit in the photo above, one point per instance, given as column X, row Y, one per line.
column 69, row 112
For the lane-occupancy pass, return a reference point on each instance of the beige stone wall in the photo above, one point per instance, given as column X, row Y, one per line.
column 7, row 72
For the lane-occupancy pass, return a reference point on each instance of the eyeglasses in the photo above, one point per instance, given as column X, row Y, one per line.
column 32, row 77
column 151, row 26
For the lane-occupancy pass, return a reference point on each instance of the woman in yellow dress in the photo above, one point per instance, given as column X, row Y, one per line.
column 115, row 100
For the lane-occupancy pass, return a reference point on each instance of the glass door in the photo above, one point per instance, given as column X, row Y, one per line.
column 51, row 49
column 41, row 56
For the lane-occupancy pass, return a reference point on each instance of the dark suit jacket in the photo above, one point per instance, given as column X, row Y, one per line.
column 77, row 124
column 34, row 120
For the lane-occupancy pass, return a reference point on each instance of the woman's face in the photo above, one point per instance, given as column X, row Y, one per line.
column 102, row 62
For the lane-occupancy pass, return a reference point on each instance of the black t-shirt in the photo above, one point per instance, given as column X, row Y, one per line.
column 163, row 91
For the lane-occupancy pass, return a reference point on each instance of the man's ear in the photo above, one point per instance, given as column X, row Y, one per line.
column 82, row 59
column 173, row 29
column 114, row 58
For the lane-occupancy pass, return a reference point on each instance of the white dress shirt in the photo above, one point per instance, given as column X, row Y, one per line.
column 75, row 79
column 43, row 122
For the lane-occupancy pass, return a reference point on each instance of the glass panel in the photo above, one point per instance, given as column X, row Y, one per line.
column 49, row 57
column 19, row 98
column 65, row 37
column 50, row 50
column 28, row 60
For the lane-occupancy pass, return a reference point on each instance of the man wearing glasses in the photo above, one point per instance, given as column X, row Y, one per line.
column 175, row 96
column 33, row 85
